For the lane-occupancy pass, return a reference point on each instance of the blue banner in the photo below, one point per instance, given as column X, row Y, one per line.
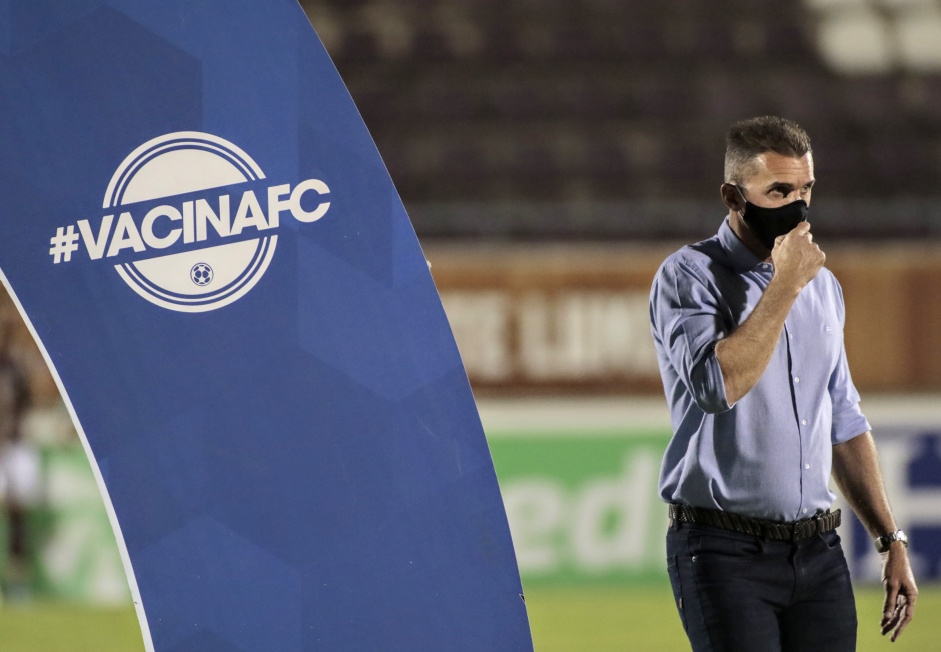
column 206, row 244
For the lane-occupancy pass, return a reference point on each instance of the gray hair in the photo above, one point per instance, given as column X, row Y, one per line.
column 749, row 138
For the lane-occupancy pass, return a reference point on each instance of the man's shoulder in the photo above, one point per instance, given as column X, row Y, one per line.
column 827, row 276
column 829, row 280
column 699, row 255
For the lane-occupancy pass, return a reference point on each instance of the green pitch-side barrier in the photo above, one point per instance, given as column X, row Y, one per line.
column 73, row 555
column 583, row 506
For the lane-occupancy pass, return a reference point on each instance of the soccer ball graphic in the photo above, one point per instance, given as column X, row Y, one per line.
column 201, row 274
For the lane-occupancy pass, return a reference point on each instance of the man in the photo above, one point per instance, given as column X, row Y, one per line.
column 748, row 328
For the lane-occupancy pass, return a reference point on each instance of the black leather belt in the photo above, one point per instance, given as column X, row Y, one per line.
column 794, row 531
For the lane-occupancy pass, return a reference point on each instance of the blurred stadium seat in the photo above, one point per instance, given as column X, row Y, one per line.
column 589, row 103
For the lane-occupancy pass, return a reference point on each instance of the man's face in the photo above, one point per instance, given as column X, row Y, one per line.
column 780, row 180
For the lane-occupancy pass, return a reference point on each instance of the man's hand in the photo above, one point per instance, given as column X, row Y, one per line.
column 796, row 258
column 900, row 591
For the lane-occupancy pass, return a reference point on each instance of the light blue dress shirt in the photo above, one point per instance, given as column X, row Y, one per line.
column 768, row 455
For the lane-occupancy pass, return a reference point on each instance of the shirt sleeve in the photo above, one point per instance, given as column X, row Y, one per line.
column 687, row 324
column 848, row 419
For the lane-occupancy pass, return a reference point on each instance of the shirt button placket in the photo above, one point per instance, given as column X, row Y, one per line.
column 795, row 380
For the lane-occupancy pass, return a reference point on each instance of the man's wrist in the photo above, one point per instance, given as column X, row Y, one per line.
column 783, row 283
column 886, row 541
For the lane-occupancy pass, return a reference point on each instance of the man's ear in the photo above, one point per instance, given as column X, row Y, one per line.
column 732, row 197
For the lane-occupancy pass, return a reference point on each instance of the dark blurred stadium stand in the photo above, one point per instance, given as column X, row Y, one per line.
column 605, row 119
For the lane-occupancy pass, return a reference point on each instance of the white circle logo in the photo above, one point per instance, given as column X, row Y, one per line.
column 176, row 164
column 190, row 222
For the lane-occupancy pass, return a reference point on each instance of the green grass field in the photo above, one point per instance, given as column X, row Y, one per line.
column 617, row 619
column 563, row 620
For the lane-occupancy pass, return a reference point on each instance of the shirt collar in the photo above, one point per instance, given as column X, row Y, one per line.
column 741, row 258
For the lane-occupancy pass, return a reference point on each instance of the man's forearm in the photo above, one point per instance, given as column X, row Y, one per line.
column 856, row 471
column 857, row 474
column 744, row 355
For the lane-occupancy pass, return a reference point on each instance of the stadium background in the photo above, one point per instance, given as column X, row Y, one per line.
column 550, row 154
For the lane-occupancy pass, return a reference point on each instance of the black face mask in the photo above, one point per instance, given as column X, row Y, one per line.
column 768, row 223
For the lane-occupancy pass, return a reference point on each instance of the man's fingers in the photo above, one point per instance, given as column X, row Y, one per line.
column 890, row 606
column 890, row 622
column 897, row 619
column 889, row 619
column 899, row 622
column 906, row 613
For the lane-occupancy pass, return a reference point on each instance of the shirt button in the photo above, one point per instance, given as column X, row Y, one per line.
column 804, row 422
column 805, row 510
column 796, row 379
column 807, row 466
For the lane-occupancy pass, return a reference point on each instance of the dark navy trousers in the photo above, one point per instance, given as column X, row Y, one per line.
column 736, row 592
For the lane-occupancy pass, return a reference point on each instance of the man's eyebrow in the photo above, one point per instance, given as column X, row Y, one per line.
column 786, row 187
